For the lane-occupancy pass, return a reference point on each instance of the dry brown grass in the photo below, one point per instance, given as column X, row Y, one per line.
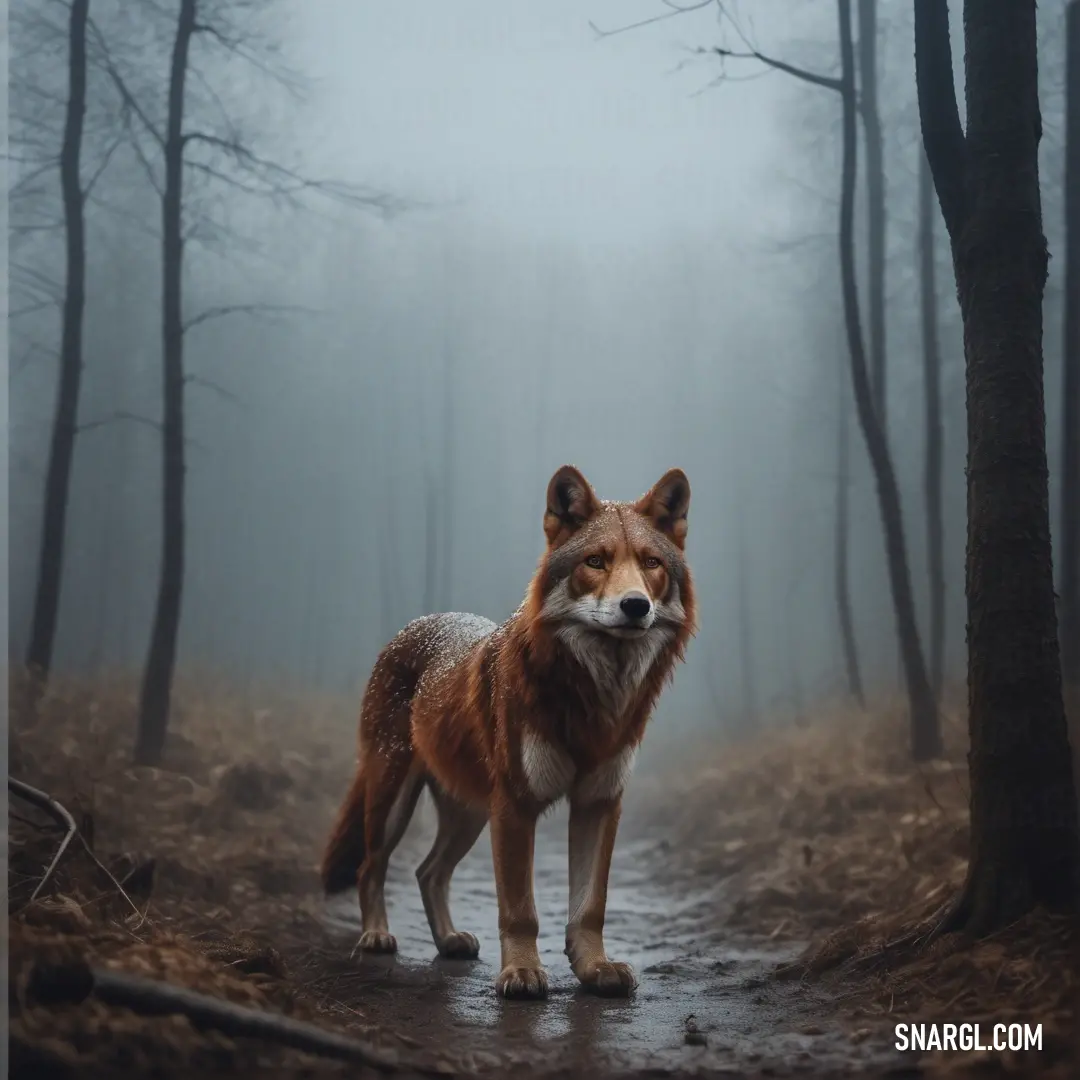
column 829, row 824
column 832, row 835
column 216, row 851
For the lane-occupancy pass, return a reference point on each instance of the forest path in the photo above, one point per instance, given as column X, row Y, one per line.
column 668, row 929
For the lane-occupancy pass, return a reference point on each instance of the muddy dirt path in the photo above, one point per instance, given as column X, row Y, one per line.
column 669, row 931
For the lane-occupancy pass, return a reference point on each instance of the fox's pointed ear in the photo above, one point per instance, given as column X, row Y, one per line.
column 666, row 504
column 570, row 503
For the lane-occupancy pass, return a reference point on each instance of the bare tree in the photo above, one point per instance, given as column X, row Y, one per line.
column 431, row 543
column 925, row 723
column 1069, row 547
column 1025, row 843
column 875, row 205
column 841, row 569
column 932, row 479
column 65, row 418
column 925, row 726
column 746, row 640
column 924, row 719
column 161, row 658
column 224, row 158
column 446, row 500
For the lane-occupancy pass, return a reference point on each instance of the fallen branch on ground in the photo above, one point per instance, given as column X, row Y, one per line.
column 62, row 816
column 67, row 984
column 48, row 805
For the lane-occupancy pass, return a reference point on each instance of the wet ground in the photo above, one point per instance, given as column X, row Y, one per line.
column 704, row 1003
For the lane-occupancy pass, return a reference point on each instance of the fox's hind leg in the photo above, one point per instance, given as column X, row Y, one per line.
column 459, row 827
column 394, row 784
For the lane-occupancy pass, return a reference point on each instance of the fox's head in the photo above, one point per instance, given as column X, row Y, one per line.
column 614, row 570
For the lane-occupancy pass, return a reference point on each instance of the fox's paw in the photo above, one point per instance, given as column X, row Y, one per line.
column 522, row 982
column 608, row 978
column 376, row 941
column 459, row 946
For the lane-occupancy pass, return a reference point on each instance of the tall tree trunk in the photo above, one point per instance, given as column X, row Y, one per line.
column 1069, row 588
column 62, row 446
column 932, row 483
column 446, row 496
column 746, row 642
column 431, row 542
column 388, row 549
column 875, row 205
column 841, row 567
column 1025, row 843
column 795, row 686
column 925, row 728
column 161, row 661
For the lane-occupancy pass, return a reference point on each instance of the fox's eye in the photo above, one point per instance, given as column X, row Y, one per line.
column 651, row 562
column 595, row 561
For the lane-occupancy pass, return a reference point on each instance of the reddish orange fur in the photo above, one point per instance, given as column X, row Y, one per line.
column 454, row 715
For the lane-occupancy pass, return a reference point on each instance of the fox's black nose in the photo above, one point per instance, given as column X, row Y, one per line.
column 635, row 606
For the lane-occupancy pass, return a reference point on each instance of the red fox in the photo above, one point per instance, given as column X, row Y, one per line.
column 501, row 722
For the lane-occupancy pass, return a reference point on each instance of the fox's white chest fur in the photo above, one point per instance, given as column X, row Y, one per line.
column 551, row 773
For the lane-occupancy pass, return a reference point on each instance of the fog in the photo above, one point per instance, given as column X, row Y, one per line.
column 614, row 252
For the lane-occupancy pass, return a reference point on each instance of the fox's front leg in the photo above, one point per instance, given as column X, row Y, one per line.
column 593, row 825
column 512, row 838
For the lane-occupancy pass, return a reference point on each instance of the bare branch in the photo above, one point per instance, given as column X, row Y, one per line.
column 129, row 100
column 232, row 181
column 22, row 186
column 290, row 80
column 147, row 166
column 211, row 93
column 39, row 227
column 102, row 166
column 122, row 213
column 58, row 813
column 31, row 350
column 239, row 309
column 73, row 983
column 117, row 417
column 751, row 53
column 828, row 81
column 31, row 309
column 124, row 416
column 48, row 805
column 281, row 181
column 674, row 12
column 226, row 395
column 36, row 280
column 112, row 877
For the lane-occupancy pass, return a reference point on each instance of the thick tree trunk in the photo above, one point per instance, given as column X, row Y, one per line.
column 1025, row 848
column 841, row 569
column 1069, row 547
column 157, row 682
column 62, row 446
column 875, row 205
column 932, row 481
column 925, row 728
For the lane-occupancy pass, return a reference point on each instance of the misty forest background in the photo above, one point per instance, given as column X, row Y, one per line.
column 553, row 246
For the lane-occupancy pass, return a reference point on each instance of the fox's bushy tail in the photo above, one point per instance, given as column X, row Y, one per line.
column 345, row 849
